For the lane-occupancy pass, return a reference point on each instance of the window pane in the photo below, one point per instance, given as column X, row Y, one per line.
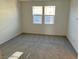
column 37, row 19
column 49, row 10
column 49, row 20
column 37, row 10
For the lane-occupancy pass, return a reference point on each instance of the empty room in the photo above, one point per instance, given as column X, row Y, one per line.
column 38, row 29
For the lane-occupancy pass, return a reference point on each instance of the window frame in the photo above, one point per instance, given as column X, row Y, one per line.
column 37, row 23
column 43, row 15
column 53, row 19
column 37, row 15
column 48, row 15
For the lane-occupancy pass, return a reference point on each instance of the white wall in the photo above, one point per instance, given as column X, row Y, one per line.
column 73, row 24
column 60, row 26
column 9, row 20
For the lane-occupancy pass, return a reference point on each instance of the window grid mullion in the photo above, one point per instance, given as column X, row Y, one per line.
column 43, row 16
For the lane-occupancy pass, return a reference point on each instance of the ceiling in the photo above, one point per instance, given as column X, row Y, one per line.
column 36, row 0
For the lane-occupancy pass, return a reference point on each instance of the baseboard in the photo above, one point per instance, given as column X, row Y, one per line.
column 10, row 39
column 29, row 34
column 42, row 34
column 39, row 34
column 72, row 46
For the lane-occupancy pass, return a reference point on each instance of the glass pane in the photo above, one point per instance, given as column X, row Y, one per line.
column 37, row 10
column 49, row 10
column 37, row 19
column 49, row 20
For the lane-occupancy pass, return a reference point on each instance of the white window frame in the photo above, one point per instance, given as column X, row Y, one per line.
column 37, row 15
column 53, row 20
column 43, row 16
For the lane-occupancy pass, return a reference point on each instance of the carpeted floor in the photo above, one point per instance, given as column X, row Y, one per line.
column 39, row 47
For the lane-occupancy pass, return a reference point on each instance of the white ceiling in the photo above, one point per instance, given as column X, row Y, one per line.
column 36, row 0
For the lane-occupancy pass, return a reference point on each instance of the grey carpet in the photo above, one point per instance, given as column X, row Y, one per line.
column 39, row 47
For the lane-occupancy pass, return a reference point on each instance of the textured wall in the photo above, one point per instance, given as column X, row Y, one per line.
column 9, row 20
column 61, row 18
column 73, row 24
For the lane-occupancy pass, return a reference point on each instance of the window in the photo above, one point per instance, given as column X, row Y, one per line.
column 37, row 10
column 37, row 14
column 46, row 13
column 49, row 20
column 49, row 10
column 49, row 14
column 37, row 19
